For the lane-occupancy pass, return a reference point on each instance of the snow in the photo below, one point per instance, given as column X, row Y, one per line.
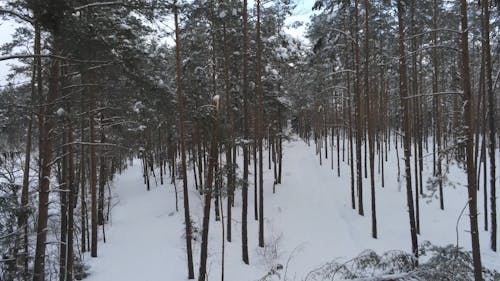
column 60, row 112
column 138, row 106
column 216, row 100
column 125, row 26
column 308, row 222
column 282, row 53
column 144, row 238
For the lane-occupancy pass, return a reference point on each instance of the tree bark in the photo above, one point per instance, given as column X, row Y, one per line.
column 357, row 112
column 187, row 217
column 406, row 126
column 244, row 190
column 416, row 109
column 102, row 180
column 369, row 123
column 212, row 163
column 228, row 141
column 71, row 202
column 23, row 216
column 46, row 125
column 260, row 117
column 63, row 194
column 93, row 171
column 437, row 109
column 83, row 204
column 491, row 122
column 469, row 138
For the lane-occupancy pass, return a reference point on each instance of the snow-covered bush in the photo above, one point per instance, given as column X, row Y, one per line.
column 441, row 263
column 9, row 234
column 271, row 252
column 449, row 263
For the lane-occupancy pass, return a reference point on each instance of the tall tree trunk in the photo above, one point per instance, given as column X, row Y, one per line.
column 369, row 123
column 200, row 161
column 93, row 172
column 255, row 168
column 280, row 145
column 212, row 163
column 357, row 112
column 36, row 79
column 491, row 122
column 228, row 128
column 260, row 130
column 71, row 201
column 406, row 128
column 437, row 109
column 102, row 180
column 469, row 138
column 416, row 109
column 83, row 204
column 351, row 149
column 244, row 190
column 187, row 218
column 63, row 194
column 46, row 125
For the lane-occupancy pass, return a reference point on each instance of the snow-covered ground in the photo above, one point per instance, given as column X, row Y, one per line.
column 309, row 221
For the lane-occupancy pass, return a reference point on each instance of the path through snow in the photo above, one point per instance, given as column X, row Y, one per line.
column 309, row 221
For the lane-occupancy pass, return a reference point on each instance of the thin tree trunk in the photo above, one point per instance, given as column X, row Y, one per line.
column 200, row 162
column 63, row 195
column 93, row 173
column 212, row 163
column 244, row 190
column 222, row 242
column 471, row 170
column 46, row 124
column 416, row 104
column 228, row 142
column 436, row 101
column 357, row 109
column 406, row 132
column 187, row 218
column 260, row 130
column 23, row 216
column 102, row 181
column 280, row 147
column 369, row 123
column 83, row 204
column 491, row 122
column 255, row 169
column 351, row 152
column 71, row 202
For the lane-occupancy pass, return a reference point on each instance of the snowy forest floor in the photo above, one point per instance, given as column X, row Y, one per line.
column 308, row 222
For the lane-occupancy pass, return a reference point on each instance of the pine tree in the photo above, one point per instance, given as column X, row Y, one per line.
column 468, row 134
column 403, row 88
column 187, row 218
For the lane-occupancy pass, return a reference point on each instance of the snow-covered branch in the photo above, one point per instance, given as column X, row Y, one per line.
column 25, row 56
column 434, row 94
column 17, row 15
column 100, row 4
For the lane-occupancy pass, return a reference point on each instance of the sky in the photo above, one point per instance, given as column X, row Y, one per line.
column 6, row 30
column 301, row 13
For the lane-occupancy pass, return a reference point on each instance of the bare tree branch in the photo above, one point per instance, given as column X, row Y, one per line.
column 434, row 94
column 100, row 4
column 17, row 15
column 10, row 57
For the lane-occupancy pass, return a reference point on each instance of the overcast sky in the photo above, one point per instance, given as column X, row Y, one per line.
column 301, row 13
column 6, row 30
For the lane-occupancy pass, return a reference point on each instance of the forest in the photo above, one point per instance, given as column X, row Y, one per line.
column 205, row 140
